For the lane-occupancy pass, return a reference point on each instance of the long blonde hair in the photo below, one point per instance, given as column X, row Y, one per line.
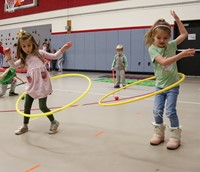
column 161, row 24
column 22, row 36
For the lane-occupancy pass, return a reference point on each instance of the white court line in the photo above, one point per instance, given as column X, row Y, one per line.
column 102, row 94
column 184, row 102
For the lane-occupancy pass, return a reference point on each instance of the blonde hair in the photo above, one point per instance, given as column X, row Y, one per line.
column 22, row 36
column 161, row 24
column 119, row 47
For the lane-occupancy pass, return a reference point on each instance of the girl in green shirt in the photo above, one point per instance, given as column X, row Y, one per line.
column 163, row 55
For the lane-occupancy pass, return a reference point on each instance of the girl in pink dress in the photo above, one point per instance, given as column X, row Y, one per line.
column 39, row 83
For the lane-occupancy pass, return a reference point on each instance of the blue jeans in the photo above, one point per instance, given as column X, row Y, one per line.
column 170, row 97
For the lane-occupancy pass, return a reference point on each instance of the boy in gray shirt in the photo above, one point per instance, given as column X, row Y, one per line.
column 120, row 65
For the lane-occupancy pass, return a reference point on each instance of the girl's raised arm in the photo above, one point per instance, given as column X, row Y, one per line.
column 181, row 27
column 9, row 59
column 58, row 53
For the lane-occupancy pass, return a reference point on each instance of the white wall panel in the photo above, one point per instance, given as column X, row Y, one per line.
column 109, row 15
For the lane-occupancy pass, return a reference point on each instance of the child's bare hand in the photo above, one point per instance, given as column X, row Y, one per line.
column 190, row 52
column 174, row 14
column 7, row 51
column 68, row 45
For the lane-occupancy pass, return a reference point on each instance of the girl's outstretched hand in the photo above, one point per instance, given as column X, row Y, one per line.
column 66, row 46
column 190, row 52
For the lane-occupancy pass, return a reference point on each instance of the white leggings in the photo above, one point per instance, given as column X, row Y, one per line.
column 5, row 86
column 60, row 65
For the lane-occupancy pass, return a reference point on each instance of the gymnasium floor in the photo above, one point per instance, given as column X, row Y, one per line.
column 94, row 138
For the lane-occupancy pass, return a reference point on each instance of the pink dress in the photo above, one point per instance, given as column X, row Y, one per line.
column 39, row 83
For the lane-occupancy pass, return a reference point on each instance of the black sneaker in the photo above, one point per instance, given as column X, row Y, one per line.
column 116, row 86
column 13, row 94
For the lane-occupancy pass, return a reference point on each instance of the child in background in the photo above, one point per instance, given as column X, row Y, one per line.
column 39, row 83
column 53, row 62
column 60, row 62
column 45, row 47
column 8, row 77
column 120, row 64
column 162, row 52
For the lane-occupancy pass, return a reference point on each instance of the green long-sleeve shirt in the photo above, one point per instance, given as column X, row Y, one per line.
column 8, row 77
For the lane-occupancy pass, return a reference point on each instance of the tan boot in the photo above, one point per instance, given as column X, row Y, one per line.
column 175, row 138
column 159, row 134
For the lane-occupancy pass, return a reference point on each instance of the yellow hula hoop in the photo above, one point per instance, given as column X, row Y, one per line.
column 100, row 102
column 61, row 108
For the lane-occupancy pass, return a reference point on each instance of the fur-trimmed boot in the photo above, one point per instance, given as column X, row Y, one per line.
column 159, row 134
column 175, row 138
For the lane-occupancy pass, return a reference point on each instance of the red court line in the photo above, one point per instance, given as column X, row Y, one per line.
column 85, row 104
column 138, row 113
column 33, row 168
column 98, row 134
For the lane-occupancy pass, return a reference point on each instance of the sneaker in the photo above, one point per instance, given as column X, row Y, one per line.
column 116, row 86
column 21, row 130
column 13, row 94
column 124, row 86
column 54, row 128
